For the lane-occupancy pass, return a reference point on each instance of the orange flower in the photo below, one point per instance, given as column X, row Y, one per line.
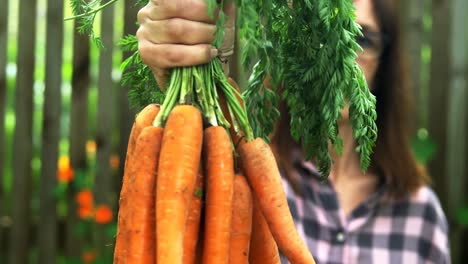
column 65, row 175
column 103, row 214
column 85, row 212
column 89, row 256
column 65, row 172
column 85, row 198
column 114, row 162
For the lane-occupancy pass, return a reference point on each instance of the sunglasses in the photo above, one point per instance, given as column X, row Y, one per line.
column 373, row 44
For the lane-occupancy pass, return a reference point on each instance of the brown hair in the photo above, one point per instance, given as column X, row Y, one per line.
column 392, row 157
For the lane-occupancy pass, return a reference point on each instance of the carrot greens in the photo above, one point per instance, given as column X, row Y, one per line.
column 309, row 49
column 306, row 47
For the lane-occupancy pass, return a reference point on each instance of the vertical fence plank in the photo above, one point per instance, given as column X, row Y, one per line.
column 22, row 152
column 412, row 12
column 3, row 88
column 439, row 75
column 439, row 107
column 104, row 181
column 51, row 133
column 3, row 83
column 464, row 253
column 104, row 112
column 78, row 132
column 456, row 126
column 126, row 114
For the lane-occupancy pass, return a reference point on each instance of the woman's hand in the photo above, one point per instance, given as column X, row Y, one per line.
column 179, row 33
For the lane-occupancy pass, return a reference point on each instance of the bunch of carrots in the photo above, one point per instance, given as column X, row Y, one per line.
column 185, row 198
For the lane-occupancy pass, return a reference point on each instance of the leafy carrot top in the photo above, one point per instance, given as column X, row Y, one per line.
column 308, row 47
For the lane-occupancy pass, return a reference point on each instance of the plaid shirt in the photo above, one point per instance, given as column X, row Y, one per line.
column 412, row 230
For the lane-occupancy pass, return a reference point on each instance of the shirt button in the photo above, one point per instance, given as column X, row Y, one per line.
column 340, row 237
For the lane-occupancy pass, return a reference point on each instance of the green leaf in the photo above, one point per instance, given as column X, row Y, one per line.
column 62, row 208
column 199, row 193
column 462, row 216
column 128, row 43
column 81, row 179
column 81, row 229
column 139, row 79
column 423, row 146
column 85, row 14
column 111, row 230
column 70, row 260
column 220, row 29
column 60, row 190
column 141, row 2
column 211, row 5
column 311, row 52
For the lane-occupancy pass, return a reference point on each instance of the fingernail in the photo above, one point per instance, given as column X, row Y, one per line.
column 213, row 53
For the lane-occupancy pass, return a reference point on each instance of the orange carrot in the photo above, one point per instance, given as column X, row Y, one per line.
column 191, row 238
column 219, row 189
column 142, row 120
column 234, row 84
column 241, row 223
column 262, row 171
column 177, row 173
column 263, row 248
column 141, row 189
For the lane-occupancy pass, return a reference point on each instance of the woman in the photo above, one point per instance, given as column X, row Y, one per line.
column 386, row 215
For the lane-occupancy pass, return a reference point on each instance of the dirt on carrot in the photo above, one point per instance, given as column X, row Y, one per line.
column 177, row 173
column 141, row 188
column 263, row 248
column 241, row 223
column 191, row 238
column 219, row 164
column 262, row 172
column 142, row 120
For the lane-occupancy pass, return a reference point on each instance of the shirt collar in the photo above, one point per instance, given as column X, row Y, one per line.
column 311, row 171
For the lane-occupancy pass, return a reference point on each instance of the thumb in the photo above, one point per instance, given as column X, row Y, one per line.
column 227, row 46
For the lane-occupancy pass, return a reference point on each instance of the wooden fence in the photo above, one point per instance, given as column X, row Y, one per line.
column 30, row 218
column 21, row 231
column 441, row 91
